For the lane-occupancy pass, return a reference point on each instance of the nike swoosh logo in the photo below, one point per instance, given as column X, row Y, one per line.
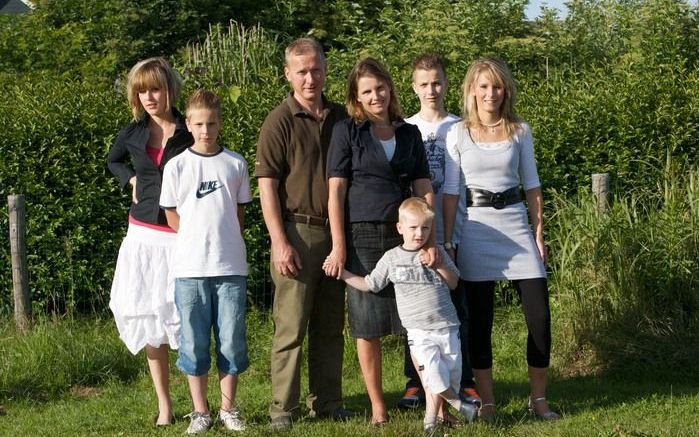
column 201, row 194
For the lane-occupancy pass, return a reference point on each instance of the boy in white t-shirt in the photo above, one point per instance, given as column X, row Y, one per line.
column 424, row 307
column 430, row 86
column 203, row 193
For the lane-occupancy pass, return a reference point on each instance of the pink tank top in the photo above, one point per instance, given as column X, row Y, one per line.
column 156, row 155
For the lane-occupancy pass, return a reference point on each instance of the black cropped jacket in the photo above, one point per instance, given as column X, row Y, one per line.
column 128, row 158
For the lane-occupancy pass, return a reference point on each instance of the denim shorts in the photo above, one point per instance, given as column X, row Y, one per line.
column 371, row 315
column 216, row 302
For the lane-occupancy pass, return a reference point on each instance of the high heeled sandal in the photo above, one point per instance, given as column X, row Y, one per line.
column 548, row 415
column 378, row 423
column 487, row 418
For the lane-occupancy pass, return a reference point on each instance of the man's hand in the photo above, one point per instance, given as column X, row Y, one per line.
column 286, row 260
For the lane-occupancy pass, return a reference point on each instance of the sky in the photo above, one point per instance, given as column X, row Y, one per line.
column 534, row 8
column 532, row 11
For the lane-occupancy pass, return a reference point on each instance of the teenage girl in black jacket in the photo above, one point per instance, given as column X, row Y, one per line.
column 142, row 297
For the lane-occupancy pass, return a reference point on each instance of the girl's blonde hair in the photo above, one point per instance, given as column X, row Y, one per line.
column 152, row 73
column 499, row 73
column 370, row 67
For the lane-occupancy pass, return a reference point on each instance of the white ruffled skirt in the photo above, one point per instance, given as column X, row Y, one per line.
column 143, row 291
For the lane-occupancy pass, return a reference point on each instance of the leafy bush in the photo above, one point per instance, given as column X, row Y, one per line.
column 610, row 121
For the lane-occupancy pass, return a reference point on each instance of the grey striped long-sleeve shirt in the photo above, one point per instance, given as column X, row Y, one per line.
column 422, row 296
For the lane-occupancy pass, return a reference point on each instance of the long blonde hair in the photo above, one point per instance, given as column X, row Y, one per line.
column 500, row 74
column 152, row 73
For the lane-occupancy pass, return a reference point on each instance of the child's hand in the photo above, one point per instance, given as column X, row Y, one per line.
column 429, row 256
column 424, row 257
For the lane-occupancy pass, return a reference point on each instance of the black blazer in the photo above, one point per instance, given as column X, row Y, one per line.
column 376, row 186
column 130, row 145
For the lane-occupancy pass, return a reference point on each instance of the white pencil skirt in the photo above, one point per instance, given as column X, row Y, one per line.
column 142, row 297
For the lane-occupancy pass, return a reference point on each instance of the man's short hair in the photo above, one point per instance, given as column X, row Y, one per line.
column 303, row 46
column 415, row 205
column 429, row 61
column 203, row 99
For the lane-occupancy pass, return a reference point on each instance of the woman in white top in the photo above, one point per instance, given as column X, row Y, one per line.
column 493, row 150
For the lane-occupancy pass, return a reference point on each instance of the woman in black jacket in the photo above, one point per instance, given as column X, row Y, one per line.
column 142, row 297
column 375, row 161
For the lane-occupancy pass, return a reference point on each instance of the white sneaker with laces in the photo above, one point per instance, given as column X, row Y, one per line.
column 198, row 422
column 232, row 419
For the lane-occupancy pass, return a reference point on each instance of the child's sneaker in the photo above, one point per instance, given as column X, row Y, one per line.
column 232, row 419
column 198, row 422
column 412, row 399
column 469, row 411
column 470, row 395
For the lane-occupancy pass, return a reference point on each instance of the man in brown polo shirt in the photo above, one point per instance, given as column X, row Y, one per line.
column 290, row 167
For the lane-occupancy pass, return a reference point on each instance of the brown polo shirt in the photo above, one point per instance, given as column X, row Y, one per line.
column 292, row 148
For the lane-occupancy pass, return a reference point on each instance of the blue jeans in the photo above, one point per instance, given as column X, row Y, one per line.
column 217, row 302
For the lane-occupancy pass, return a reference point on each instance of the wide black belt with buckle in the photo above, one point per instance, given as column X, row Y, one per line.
column 308, row 219
column 478, row 197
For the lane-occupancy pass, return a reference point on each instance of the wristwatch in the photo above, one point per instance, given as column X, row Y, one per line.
column 449, row 245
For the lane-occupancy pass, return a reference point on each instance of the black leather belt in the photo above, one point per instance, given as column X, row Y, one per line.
column 308, row 219
column 478, row 197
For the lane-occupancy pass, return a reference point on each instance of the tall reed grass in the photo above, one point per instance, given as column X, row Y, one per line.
column 235, row 56
column 627, row 280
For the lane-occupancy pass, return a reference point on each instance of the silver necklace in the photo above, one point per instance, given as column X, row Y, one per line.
column 492, row 126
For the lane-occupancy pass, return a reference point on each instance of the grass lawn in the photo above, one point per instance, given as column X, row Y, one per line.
column 41, row 397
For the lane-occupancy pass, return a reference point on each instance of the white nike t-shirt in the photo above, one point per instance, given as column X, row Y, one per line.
column 206, row 190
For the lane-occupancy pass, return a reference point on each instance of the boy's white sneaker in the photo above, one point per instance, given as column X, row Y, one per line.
column 232, row 419
column 198, row 422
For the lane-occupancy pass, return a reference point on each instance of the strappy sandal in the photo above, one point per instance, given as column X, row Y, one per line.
column 379, row 423
column 485, row 417
column 448, row 421
column 548, row 415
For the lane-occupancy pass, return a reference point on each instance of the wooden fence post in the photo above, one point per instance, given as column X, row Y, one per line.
column 20, row 282
column 600, row 189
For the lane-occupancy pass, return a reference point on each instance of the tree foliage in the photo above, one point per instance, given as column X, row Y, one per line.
column 96, row 37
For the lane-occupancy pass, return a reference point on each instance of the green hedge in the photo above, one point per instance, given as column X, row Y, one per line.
column 56, row 136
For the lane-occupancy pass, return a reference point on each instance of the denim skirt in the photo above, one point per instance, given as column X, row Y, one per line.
column 371, row 314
